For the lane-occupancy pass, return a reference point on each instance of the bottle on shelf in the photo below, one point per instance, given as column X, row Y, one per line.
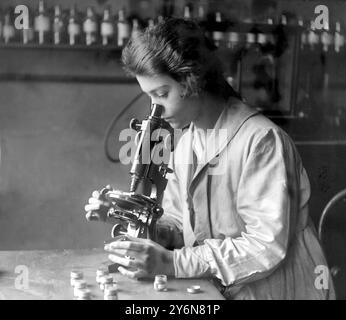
column 160, row 18
column 218, row 29
column 303, row 35
column 90, row 27
column 338, row 38
column 203, row 21
column 326, row 37
column 270, row 36
column 107, row 27
column 58, row 25
column 187, row 13
column 28, row 35
column 313, row 38
column 8, row 30
column 262, row 38
column 250, row 39
column 1, row 26
column 73, row 27
column 283, row 20
column 151, row 23
column 201, row 18
column 135, row 27
column 42, row 24
column 123, row 29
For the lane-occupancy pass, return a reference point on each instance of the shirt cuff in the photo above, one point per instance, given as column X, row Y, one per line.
column 192, row 262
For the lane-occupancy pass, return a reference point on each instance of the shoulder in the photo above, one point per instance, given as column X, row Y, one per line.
column 260, row 133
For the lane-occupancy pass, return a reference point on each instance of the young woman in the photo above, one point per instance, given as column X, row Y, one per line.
column 247, row 227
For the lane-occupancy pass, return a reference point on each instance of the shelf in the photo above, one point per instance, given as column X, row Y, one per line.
column 264, row 27
column 66, row 78
column 95, row 47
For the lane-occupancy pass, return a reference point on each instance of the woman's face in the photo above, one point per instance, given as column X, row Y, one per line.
column 164, row 90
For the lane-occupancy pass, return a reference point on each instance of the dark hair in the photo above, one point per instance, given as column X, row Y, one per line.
column 179, row 49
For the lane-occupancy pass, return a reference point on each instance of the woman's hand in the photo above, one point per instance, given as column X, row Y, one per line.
column 144, row 257
column 97, row 207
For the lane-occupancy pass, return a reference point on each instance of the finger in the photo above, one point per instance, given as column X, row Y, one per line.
column 96, row 194
column 140, row 273
column 119, row 252
column 139, row 240
column 94, row 200
column 92, row 207
column 92, row 216
column 127, row 261
column 125, row 245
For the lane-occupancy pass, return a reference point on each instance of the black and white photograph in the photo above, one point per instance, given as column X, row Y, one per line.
column 188, row 152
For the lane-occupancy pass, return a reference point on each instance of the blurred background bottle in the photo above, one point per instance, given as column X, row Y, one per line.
column 90, row 27
column 313, row 38
column 187, row 13
column 303, row 34
column 218, row 29
column 338, row 38
column 28, row 35
column 135, row 27
column 42, row 24
column 58, row 25
column 8, row 30
column 107, row 28
column 73, row 28
column 123, row 29
column 326, row 37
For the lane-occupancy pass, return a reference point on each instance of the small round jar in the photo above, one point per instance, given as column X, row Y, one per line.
column 105, row 280
column 79, row 285
column 101, row 272
column 75, row 275
column 110, row 293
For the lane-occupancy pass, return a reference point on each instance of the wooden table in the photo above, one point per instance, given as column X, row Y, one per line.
column 49, row 278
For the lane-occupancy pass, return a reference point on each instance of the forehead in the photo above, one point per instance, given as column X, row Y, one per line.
column 151, row 83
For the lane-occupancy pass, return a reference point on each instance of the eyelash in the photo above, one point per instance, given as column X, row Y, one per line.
column 160, row 96
column 164, row 95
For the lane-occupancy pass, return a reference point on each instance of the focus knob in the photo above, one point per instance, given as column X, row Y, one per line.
column 135, row 124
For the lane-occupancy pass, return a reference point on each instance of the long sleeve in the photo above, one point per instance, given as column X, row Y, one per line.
column 264, row 202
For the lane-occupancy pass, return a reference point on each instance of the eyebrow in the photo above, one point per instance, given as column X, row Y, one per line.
column 160, row 87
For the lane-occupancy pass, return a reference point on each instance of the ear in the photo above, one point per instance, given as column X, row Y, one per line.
column 184, row 89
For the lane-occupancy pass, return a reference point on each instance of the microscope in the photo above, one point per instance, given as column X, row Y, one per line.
column 136, row 213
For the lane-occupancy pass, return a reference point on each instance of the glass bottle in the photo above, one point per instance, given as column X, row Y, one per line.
column 338, row 38
column 303, row 36
column 187, row 13
column 326, row 37
column 58, row 25
column 42, row 23
column 123, row 29
column 107, row 27
column 218, row 32
column 73, row 27
column 1, row 26
column 28, row 34
column 135, row 27
column 8, row 31
column 90, row 27
column 313, row 39
column 151, row 23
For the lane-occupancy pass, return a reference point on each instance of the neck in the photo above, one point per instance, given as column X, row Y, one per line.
column 210, row 110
